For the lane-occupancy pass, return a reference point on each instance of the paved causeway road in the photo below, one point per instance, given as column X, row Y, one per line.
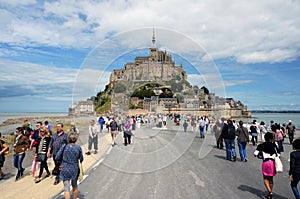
column 169, row 163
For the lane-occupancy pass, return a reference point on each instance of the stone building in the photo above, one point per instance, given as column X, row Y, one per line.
column 83, row 108
column 158, row 66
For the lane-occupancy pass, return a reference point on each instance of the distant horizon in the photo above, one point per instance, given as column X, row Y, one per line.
column 254, row 110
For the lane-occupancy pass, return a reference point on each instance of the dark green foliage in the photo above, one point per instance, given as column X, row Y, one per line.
column 138, row 106
column 167, row 93
column 141, row 93
column 120, row 88
column 206, row 91
column 180, row 98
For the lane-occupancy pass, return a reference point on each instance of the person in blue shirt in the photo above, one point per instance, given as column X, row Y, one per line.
column 101, row 122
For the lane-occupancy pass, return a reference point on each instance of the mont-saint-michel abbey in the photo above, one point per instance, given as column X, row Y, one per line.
column 155, row 84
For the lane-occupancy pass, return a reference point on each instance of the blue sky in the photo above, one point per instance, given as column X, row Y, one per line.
column 48, row 47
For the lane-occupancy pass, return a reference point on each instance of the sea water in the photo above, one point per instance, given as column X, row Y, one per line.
column 282, row 118
column 13, row 115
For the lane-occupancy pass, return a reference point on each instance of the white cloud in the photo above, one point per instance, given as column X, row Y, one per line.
column 250, row 31
column 272, row 56
column 34, row 74
column 19, row 79
column 17, row 2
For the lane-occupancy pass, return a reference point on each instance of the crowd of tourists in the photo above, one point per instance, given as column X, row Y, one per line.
column 271, row 139
column 67, row 155
column 45, row 143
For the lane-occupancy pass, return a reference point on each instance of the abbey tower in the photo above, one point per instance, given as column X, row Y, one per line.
column 158, row 66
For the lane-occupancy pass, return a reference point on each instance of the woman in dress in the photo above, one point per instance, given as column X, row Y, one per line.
column 21, row 144
column 70, row 154
column 269, row 150
column 44, row 140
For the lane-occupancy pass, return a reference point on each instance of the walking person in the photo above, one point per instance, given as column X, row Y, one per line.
column 59, row 139
column 93, row 137
column 101, row 122
column 34, row 137
column 70, row 155
column 164, row 119
column 269, row 150
column 228, row 133
column 201, row 127
column 193, row 124
column 113, row 131
column 73, row 129
column 263, row 130
column 185, row 125
column 294, row 172
column 254, row 133
column 127, row 132
column 21, row 144
column 3, row 149
column 217, row 133
column 242, row 139
column 44, row 141
column 206, row 120
column 279, row 135
column 48, row 126
column 27, row 128
column 291, row 131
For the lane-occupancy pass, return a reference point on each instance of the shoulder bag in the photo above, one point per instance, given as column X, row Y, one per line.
column 80, row 177
column 278, row 164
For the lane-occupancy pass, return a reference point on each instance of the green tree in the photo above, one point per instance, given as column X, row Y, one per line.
column 140, row 93
column 167, row 93
column 206, row 91
column 180, row 98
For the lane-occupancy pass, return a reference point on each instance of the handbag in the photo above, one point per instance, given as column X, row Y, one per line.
column 55, row 171
column 58, row 167
column 278, row 165
column 41, row 157
column 80, row 177
column 7, row 151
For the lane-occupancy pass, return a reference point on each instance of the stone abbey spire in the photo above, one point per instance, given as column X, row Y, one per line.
column 153, row 39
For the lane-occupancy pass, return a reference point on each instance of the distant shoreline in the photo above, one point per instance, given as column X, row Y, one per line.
column 269, row 111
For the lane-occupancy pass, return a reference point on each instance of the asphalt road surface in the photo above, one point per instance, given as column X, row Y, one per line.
column 170, row 163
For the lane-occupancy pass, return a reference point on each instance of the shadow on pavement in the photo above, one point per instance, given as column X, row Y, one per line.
column 223, row 157
column 259, row 193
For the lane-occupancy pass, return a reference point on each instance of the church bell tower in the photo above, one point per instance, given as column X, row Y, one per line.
column 153, row 50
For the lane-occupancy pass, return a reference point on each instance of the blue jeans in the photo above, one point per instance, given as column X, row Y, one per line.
column 101, row 128
column 294, row 184
column 230, row 148
column 242, row 150
column 202, row 131
column 18, row 160
column 280, row 145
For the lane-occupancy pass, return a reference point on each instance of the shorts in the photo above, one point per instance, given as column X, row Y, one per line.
column 114, row 133
column 268, row 168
